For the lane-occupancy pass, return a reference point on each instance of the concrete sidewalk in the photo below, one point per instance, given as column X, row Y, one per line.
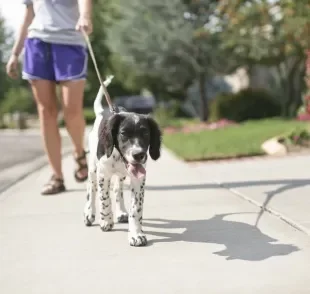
column 202, row 239
column 278, row 185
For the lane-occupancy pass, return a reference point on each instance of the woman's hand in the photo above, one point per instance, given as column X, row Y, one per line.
column 85, row 24
column 12, row 67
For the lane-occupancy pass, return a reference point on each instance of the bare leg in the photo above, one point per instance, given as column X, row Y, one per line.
column 45, row 96
column 72, row 102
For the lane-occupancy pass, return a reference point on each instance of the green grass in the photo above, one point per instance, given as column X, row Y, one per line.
column 231, row 142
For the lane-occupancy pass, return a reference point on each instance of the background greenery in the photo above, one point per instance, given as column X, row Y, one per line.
column 167, row 46
column 171, row 47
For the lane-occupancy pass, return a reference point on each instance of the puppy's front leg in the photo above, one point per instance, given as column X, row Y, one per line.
column 90, row 206
column 136, row 236
column 106, row 215
column 121, row 213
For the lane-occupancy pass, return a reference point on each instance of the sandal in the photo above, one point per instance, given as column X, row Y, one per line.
column 53, row 186
column 81, row 166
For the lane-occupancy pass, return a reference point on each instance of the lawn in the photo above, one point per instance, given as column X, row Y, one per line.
column 230, row 142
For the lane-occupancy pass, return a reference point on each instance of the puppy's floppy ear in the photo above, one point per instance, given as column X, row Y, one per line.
column 107, row 135
column 155, row 138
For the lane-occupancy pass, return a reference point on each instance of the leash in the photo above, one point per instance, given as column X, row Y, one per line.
column 107, row 96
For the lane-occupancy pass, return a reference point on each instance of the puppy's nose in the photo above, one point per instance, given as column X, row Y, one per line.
column 138, row 156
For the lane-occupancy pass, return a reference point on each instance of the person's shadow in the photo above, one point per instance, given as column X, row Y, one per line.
column 241, row 240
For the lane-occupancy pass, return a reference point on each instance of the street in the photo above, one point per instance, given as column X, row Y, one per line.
column 17, row 149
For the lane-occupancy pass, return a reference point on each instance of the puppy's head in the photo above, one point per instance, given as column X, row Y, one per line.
column 132, row 135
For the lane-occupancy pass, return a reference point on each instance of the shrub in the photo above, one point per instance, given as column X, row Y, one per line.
column 298, row 136
column 171, row 114
column 164, row 115
column 248, row 104
column 17, row 99
column 89, row 116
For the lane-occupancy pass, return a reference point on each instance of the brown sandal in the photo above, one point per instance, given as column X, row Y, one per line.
column 53, row 186
column 81, row 166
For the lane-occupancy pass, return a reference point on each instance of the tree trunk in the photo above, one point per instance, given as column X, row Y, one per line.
column 289, row 71
column 203, row 97
column 294, row 90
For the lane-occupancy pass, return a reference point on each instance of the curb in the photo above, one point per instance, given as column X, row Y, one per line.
column 23, row 170
column 272, row 211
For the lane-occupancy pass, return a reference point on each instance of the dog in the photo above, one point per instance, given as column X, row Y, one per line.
column 118, row 146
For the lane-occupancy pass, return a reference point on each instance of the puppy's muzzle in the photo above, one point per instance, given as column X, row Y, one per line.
column 139, row 156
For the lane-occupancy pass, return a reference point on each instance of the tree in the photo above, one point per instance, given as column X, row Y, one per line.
column 4, row 39
column 167, row 41
column 270, row 33
column 103, row 13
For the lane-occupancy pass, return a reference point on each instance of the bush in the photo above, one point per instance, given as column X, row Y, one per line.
column 248, row 104
column 89, row 116
column 171, row 114
column 17, row 99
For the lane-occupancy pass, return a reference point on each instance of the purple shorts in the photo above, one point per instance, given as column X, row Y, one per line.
column 54, row 62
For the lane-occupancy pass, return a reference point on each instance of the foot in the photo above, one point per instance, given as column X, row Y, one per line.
column 122, row 218
column 89, row 214
column 81, row 172
column 137, row 240
column 106, row 225
column 54, row 186
column 89, row 219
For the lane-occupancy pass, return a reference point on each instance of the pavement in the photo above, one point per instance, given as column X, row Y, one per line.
column 203, row 236
column 277, row 185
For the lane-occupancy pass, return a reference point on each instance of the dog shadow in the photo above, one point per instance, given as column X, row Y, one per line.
column 242, row 241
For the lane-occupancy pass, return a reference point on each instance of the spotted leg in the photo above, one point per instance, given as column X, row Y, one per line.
column 121, row 213
column 106, row 215
column 90, row 206
column 136, row 236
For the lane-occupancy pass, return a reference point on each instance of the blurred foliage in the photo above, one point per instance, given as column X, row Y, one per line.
column 17, row 99
column 248, row 104
column 274, row 33
column 168, row 46
column 169, row 41
column 89, row 116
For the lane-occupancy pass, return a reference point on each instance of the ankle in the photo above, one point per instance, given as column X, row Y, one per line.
column 79, row 152
column 58, row 176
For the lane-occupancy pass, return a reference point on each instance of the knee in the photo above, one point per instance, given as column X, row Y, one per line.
column 47, row 111
column 72, row 113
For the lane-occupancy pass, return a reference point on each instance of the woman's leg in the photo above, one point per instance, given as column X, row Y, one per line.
column 45, row 96
column 72, row 103
column 70, row 66
column 38, row 69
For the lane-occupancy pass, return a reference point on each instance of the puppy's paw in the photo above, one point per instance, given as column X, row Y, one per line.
column 122, row 218
column 106, row 225
column 137, row 240
column 89, row 214
column 89, row 219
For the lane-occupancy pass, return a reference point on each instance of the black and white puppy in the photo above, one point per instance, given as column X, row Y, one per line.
column 118, row 146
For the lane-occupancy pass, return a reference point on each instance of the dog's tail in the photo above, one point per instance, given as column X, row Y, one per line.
column 98, row 109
